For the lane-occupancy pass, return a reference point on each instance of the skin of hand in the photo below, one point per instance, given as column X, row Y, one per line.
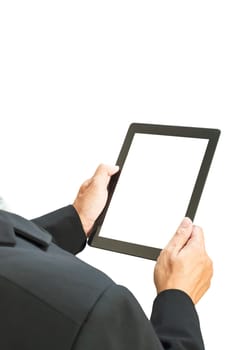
column 92, row 196
column 184, row 264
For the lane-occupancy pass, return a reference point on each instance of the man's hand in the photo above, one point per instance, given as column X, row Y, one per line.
column 184, row 264
column 92, row 196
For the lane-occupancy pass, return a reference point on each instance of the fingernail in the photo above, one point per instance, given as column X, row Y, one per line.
column 185, row 222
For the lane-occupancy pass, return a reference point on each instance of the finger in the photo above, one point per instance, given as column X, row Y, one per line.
column 181, row 236
column 86, row 183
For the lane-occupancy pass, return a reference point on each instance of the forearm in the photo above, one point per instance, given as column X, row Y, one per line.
column 176, row 322
column 66, row 228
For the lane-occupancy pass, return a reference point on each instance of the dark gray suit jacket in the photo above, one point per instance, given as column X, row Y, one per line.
column 51, row 300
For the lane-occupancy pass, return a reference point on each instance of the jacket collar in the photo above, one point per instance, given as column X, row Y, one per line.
column 12, row 225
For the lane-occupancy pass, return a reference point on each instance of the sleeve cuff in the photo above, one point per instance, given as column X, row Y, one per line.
column 174, row 313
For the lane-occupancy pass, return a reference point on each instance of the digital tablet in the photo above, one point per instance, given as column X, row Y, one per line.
column 163, row 170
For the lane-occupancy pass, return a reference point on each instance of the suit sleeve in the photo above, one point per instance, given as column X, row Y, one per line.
column 176, row 322
column 118, row 322
column 65, row 227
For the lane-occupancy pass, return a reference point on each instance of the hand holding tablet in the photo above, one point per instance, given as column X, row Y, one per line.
column 163, row 170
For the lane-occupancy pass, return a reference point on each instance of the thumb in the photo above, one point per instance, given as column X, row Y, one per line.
column 104, row 172
column 181, row 236
column 197, row 237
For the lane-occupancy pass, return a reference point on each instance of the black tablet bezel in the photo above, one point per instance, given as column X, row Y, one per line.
column 210, row 134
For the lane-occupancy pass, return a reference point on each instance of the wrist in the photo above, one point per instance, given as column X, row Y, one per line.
column 87, row 223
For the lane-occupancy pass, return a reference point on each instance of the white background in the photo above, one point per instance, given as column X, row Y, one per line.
column 75, row 74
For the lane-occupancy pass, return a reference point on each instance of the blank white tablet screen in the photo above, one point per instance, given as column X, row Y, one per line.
column 154, row 189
